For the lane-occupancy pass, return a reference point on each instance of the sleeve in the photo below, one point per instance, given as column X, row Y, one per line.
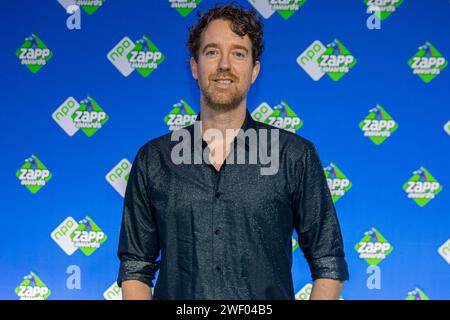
column 316, row 222
column 139, row 241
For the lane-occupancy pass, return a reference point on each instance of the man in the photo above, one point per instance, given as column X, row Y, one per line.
column 223, row 230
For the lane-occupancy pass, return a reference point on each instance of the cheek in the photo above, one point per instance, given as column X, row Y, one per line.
column 247, row 76
column 204, row 80
column 204, row 72
column 247, row 72
column 201, row 78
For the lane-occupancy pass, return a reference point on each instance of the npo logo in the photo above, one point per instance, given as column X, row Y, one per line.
column 305, row 293
column 333, row 59
column 262, row 112
column 281, row 116
column 308, row 60
column 90, row 6
column 295, row 245
column 447, row 127
column 285, row 8
column 61, row 235
column 84, row 235
column 118, row 176
column 141, row 55
column 113, row 292
column 87, row 115
column 444, row 251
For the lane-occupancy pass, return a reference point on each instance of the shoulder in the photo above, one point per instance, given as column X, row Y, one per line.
column 154, row 152
column 158, row 144
column 159, row 149
column 290, row 143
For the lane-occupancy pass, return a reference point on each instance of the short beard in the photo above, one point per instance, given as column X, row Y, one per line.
column 223, row 107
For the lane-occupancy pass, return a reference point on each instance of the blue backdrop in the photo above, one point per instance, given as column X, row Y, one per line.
column 376, row 209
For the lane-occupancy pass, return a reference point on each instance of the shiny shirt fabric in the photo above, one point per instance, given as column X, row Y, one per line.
column 227, row 234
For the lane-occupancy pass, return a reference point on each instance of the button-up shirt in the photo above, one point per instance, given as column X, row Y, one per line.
column 227, row 234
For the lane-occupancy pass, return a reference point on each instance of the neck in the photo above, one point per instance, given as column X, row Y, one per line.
column 227, row 123
column 222, row 120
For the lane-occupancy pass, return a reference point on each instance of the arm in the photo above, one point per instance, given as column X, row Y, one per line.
column 139, row 241
column 136, row 290
column 317, row 226
column 326, row 289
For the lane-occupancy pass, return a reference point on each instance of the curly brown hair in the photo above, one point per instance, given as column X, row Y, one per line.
column 242, row 22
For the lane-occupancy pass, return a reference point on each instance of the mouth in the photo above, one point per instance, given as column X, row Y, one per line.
column 223, row 82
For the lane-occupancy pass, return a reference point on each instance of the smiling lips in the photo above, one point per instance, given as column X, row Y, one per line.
column 223, row 82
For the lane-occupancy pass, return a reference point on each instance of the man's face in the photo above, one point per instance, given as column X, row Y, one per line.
column 224, row 69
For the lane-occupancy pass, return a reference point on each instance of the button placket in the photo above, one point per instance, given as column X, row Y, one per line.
column 217, row 220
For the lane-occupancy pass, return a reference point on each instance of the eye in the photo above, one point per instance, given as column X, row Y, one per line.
column 210, row 52
column 239, row 54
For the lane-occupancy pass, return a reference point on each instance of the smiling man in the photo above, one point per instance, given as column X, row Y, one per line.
column 219, row 230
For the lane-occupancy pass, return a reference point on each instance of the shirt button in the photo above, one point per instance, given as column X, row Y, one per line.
column 217, row 231
column 218, row 269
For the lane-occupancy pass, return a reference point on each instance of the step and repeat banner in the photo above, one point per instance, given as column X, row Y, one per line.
column 85, row 83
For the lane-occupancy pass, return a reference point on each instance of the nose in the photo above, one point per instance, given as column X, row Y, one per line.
column 224, row 63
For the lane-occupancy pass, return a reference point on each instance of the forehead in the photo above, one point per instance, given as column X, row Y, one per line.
column 219, row 32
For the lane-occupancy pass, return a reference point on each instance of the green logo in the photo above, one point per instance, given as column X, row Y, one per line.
column 286, row 8
column 118, row 176
column 427, row 62
column 89, row 117
column 114, row 292
column 337, row 182
column 87, row 236
column 294, row 244
column 378, row 125
column 422, row 187
column 34, row 54
column 305, row 293
column 181, row 116
column 284, row 117
column 184, row 7
column 336, row 61
column 447, row 127
column 90, row 6
column 417, row 294
column 373, row 247
column 383, row 8
column 33, row 174
column 32, row 288
column 145, row 56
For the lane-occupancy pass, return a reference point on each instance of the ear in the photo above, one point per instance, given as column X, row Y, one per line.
column 255, row 71
column 194, row 69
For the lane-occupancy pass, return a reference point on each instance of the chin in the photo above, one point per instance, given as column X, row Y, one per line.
column 223, row 101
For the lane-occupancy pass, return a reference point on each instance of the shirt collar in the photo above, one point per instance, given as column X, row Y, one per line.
column 249, row 123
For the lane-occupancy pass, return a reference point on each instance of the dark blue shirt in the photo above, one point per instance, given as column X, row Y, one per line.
column 227, row 234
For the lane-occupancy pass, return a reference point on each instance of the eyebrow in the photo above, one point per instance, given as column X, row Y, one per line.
column 234, row 46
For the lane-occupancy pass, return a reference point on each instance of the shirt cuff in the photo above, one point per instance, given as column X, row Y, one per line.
column 329, row 268
column 137, row 270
